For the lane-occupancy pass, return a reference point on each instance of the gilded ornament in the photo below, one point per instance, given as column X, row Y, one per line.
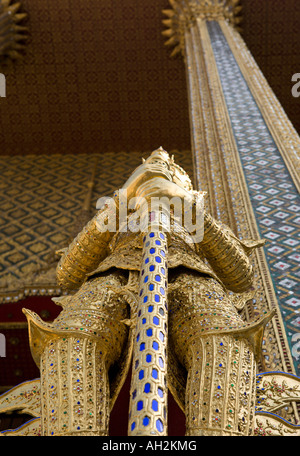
column 185, row 13
column 13, row 34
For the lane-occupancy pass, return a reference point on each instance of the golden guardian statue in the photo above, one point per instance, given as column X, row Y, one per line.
column 154, row 282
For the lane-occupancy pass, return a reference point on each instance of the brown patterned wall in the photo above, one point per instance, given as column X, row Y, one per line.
column 271, row 31
column 97, row 77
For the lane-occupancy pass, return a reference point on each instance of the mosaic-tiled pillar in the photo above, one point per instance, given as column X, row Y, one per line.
column 246, row 152
column 148, row 394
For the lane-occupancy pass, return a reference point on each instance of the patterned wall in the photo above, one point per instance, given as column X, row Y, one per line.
column 271, row 31
column 96, row 76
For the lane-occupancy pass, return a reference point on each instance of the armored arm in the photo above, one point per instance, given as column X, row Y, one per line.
column 88, row 249
column 227, row 255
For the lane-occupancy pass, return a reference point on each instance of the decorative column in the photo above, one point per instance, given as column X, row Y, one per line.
column 149, row 393
column 245, row 151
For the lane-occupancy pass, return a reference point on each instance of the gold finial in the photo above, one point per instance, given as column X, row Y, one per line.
column 12, row 34
column 186, row 12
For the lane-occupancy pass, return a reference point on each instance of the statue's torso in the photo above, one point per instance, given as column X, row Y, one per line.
column 126, row 252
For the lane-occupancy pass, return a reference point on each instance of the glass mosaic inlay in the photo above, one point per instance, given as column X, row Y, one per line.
column 273, row 195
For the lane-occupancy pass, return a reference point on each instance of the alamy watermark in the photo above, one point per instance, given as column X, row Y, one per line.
column 145, row 214
column 2, row 85
column 296, row 87
column 2, row 346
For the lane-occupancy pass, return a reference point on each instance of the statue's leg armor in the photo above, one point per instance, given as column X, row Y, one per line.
column 74, row 387
column 76, row 352
column 220, row 386
column 210, row 341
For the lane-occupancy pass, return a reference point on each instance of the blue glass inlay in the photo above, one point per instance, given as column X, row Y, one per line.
column 141, row 374
column 139, row 405
column 159, row 426
column 146, row 421
column 155, row 345
column 154, row 373
column 155, row 405
column 147, row 388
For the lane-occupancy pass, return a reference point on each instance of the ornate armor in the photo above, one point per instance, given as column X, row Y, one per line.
column 85, row 354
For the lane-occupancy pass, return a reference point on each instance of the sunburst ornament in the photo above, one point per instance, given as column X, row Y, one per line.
column 184, row 13
column 13, row 33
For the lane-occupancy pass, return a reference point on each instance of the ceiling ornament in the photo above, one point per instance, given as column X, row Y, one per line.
column 13, row 33
column 184, row 13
